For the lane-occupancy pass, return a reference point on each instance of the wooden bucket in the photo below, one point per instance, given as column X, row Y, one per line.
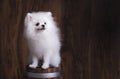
column 38, row 73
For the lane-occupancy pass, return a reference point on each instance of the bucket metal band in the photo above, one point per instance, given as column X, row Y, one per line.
column 43, row 75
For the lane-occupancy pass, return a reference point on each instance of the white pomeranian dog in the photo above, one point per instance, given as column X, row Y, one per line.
column 43, row 39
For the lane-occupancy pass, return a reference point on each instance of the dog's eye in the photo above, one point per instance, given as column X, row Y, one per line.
column 37, row 24
column 44, row 22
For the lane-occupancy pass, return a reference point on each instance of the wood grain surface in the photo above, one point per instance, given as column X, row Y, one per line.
column 90, row 31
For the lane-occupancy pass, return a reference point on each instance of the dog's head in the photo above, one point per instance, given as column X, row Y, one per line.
column 38, row 20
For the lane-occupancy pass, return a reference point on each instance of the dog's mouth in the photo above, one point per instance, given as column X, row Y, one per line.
column 40, row 29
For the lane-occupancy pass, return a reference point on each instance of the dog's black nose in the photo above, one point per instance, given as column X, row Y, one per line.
column 43, row 26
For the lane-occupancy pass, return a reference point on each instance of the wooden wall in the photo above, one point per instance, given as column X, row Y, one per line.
column 92, row 39
column 90, row 31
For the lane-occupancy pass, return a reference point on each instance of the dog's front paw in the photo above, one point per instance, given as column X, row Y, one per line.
column 56, row 65
column 45, row 66
column 32, row 66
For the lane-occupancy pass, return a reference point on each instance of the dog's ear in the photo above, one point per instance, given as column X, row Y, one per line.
column 29, row 16
column 49, row 13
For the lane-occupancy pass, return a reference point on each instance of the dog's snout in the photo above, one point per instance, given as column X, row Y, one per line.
column 43, row 26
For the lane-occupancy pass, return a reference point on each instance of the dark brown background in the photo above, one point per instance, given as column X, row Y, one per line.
column 90, row 32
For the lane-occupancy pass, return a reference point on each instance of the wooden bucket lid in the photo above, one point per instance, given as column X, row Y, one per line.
column 39, row 73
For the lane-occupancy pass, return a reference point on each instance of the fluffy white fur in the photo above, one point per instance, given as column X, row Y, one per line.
column 43, row 43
